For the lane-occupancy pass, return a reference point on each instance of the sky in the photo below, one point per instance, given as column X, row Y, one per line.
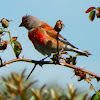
column 78, row 30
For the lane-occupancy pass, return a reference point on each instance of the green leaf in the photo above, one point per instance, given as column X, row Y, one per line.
column 96, row 96
column 1, row 31
column 17, row 48
column 92, row 15
column 55, row 57
column 74, row 61
column 88, row 80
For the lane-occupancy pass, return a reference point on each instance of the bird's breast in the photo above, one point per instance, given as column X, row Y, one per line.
column 38, row 37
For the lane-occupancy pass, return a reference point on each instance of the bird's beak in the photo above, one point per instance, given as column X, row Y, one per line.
column 21, row 25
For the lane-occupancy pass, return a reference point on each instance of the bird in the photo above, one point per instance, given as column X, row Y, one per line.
column 44, row 37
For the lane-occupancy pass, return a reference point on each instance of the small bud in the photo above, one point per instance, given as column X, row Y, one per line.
column 4, row 22
column 98, row 9
column 3, row 45
column 59, row 25
column 74, row 61
column 1, row 31
column 98, row 15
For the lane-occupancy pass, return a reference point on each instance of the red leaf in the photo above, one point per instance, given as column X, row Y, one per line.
column 14, row 38
column 90, row 9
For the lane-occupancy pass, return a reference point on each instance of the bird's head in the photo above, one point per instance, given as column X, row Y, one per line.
column 30, row 22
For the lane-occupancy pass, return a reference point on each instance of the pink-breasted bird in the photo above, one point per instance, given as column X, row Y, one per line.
column 43, row 37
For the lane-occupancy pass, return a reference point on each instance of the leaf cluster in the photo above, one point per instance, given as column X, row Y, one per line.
column 16, row 46
column 93, row 11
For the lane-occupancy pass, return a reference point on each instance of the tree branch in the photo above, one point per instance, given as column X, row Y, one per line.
column 50, row 62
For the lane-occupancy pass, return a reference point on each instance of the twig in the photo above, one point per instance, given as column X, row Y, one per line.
column 57, row 44
column 0, row 61
column 31, row 72
column 26, row 60
column 50, row 62
column 10, row 40
column 57, row 48
column 75, row 67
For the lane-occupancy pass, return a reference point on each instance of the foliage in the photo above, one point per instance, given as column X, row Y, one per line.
column 16, row 46
column 15, row 87
column 93, row 12
column 96, row 96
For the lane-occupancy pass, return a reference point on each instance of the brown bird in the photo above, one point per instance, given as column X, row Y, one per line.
column 43, row 37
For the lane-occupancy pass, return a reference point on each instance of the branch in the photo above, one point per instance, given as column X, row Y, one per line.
column 31, row 72
column 83, row 70
column 50, row 62
column 26, row 60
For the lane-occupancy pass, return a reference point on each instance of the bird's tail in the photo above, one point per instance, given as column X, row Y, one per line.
column 84, row 53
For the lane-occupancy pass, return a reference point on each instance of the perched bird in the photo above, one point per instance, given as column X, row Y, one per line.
column 44, row 37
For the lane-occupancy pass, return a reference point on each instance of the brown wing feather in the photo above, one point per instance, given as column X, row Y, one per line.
column 51, row 31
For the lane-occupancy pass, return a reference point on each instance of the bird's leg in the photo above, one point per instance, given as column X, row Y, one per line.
column 35, row 67
column 45, row 58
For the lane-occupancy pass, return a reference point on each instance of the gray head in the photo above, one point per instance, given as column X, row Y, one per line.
column 30, row 22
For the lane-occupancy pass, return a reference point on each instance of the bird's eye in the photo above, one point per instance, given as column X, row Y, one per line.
column 25, row 21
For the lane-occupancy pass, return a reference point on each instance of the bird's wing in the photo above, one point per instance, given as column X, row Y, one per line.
column 51, row 32
column 62, row 39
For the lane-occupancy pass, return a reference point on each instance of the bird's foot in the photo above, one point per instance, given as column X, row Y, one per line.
column 42, row 60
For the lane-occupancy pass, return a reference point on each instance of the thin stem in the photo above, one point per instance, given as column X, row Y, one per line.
column 10, row 40
column 9, row 34
column 5, row 31
column 1, row 61
column 34, row 68
column 31, row 72
column 57, row 47
column 57, row 44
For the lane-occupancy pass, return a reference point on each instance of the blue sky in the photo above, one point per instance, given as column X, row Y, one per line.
column 78, row 30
